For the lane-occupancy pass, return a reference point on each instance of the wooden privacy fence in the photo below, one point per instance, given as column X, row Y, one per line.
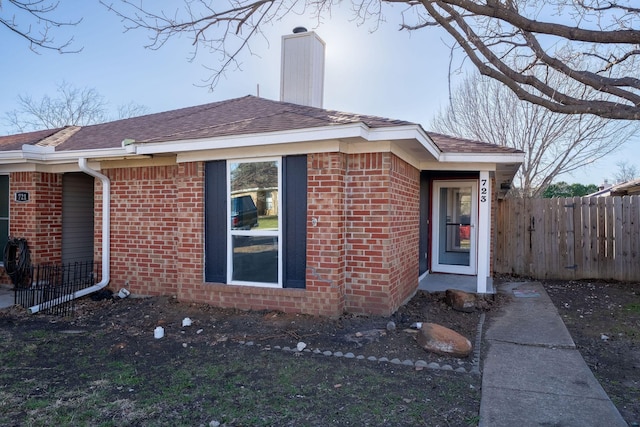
column 572, row 238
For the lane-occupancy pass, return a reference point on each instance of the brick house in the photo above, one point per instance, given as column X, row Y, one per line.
column 360, row 207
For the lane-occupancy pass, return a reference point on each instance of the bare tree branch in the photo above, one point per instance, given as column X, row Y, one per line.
column 32, row 21
column 71, row 106
column 553, row 143
column 503, row 12
column 526, row 85
column 594, row 42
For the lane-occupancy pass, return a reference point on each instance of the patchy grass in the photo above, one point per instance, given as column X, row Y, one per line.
column 267, row 223
column 633, row 307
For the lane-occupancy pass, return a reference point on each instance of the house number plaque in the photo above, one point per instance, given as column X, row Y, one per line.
column 484, row 190
column 22, row 196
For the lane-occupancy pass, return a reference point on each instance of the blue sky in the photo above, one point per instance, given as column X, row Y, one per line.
column 385, row 72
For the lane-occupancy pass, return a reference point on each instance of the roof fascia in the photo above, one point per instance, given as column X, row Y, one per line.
column 338, row 132
column 48, row 155
column 250, row 140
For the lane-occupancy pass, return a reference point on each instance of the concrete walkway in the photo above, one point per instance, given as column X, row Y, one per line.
column 533, row 375
column 6, row 296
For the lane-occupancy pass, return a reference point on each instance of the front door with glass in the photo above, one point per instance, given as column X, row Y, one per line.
column 455, row 213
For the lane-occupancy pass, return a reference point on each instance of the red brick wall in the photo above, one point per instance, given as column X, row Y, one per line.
column 382, row 232
column 40, row 219
column 326, row 252
column 190, row 229
column 368, row 233
column 145, row 215
column 405, row 227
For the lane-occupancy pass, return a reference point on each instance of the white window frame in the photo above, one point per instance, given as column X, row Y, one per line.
column 253, row 233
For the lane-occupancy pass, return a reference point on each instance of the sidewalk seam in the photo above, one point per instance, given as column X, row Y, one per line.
column 549, row 346
column 599, row 399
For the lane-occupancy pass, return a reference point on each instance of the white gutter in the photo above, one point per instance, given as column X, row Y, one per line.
column 106, row 242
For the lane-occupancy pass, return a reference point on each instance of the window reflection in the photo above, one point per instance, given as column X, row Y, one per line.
column 255, row 259
column 457, row 228
column 254, row 195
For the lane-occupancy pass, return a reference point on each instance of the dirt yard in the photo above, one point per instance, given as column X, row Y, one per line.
column 236, row 368
column 604, row 322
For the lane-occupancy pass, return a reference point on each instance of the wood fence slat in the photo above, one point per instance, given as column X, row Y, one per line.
column 626, row 237
column 551, row 245
column 634, row 228
column 583, row 236
column 601, row 259
column 593, row 235
column 578, row 248
column 498, row 232
column 519, row 243
column 610, row 253
column 618, row 248
column 562, row 236
column 538, row 257
column 570, row 238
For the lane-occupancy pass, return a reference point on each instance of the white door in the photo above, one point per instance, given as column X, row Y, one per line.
column 454, row 233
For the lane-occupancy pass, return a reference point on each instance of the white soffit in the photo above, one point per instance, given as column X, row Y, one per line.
column 481, row 157
column 459, row 166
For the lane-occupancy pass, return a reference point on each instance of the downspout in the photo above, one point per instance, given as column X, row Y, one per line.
column 106, row 242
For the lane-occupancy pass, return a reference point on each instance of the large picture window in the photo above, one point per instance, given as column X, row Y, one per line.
column 254, row 222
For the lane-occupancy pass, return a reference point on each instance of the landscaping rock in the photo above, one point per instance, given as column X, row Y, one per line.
column 444, row 341
column 461, row 301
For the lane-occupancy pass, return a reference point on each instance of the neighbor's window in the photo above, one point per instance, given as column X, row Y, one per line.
column 254, row 254
column 4, row 210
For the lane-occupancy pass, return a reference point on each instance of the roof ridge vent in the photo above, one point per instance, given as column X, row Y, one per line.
column 59, row 137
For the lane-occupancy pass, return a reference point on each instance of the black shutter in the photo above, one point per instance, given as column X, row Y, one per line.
column 294, row 203
column 215, row 221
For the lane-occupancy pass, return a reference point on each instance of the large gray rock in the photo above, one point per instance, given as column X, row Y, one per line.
column 461, row 301
column 444, row 341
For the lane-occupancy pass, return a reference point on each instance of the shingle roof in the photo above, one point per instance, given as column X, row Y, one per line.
column 15, row 142
column 452, row 144
column 239, row 116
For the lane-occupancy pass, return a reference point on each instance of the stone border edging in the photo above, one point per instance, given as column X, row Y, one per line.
column 475, row 369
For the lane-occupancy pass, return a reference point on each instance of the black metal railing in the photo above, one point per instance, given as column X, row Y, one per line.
column 52, row 287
